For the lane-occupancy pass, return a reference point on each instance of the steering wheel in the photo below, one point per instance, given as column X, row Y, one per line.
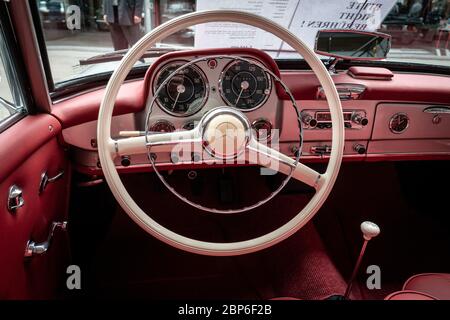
column 109, row 148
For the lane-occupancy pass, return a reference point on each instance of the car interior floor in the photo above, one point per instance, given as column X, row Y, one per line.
column 120, row 260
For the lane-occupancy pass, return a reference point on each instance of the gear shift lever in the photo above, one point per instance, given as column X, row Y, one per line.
column 369, row 230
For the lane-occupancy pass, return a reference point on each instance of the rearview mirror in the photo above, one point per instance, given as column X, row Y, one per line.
column 352, row 45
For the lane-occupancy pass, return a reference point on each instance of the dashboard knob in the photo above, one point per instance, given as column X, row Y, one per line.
column 360, row 119
column 359, row 148
column 308, row 120
column 125, row 161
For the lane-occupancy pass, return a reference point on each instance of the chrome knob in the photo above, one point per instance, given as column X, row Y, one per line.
column 360, row 119
column 308, row 119
column 359, row 148
column 15, row 199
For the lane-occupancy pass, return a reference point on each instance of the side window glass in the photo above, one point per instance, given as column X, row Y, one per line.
column 11, row 102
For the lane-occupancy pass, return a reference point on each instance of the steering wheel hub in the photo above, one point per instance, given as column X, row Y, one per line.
column 225, row 133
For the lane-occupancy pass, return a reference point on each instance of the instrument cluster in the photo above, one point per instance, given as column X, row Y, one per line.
column 242, row 84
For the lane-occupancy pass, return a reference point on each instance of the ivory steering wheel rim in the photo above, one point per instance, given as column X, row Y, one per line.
column 108, row 148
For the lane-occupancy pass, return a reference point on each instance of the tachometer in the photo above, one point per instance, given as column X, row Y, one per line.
column 185, row 93
column 244, row 85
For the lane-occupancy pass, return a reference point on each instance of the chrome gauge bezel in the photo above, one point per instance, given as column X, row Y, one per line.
column 269, row 133
column 259, row 65
column 172, row 63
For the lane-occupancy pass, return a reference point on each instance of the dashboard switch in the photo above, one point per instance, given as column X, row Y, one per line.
column 321, row 150
column 359, row 148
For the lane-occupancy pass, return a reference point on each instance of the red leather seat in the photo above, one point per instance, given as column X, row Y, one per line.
column 409, row 295
column 425, row 286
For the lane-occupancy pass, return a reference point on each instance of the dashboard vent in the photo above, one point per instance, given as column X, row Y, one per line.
column 346, row 91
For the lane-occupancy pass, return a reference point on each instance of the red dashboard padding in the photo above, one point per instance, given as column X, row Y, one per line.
column 85, row 107
column 404, row 87
column 370, row 73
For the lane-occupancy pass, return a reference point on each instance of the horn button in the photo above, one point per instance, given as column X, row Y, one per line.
column 225, row 133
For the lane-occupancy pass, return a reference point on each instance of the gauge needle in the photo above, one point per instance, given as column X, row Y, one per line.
column 239, row 96
column 175, row 102
column 180, row 89
column 244, row 86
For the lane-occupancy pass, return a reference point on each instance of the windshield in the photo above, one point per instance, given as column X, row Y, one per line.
column 77, row 32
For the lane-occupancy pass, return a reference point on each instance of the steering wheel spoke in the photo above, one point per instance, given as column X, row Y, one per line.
column 270, row 158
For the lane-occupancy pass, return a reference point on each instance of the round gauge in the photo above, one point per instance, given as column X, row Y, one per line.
column 263, row 129
column 399, row 122
column 162, row 126
column 185, row 93
column 244, row 85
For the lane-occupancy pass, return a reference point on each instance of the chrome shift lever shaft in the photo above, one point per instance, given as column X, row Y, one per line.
column 369, row 230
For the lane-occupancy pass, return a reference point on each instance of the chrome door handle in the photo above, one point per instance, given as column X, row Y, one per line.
column 34, row 248
column 15, row 199
column 45, row 180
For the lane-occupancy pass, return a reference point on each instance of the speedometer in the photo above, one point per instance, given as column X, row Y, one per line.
column 185, row 93
column 244, row 85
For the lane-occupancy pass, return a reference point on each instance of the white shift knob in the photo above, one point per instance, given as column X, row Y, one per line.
column 370, row 230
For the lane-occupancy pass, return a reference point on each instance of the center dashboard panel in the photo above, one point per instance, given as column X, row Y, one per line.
column 382, row 120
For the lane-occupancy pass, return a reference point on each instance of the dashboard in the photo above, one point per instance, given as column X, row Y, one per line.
column 388, row 116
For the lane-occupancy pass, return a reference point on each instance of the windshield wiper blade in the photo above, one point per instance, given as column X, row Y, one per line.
column 119, row 54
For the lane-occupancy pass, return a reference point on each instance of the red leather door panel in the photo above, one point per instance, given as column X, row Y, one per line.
column 27, row 149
